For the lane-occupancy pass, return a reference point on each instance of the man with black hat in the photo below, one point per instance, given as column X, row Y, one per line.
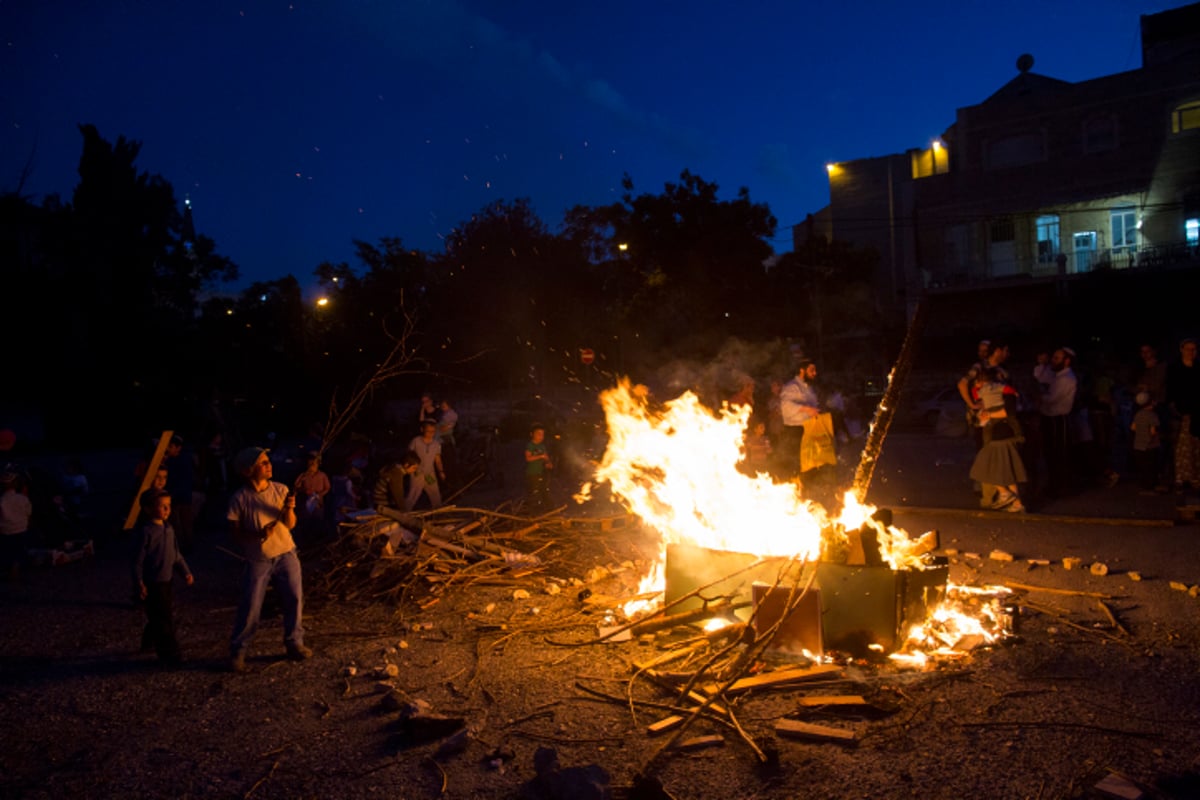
column 262, row 514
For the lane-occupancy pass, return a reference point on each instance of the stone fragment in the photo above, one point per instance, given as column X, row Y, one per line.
column 520, row 594
column 1000, row 555
column 1098, row 568
column 1179, row 587
column 1134, row 576
column 1072, row 563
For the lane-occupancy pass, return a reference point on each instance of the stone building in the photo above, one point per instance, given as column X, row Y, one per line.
column 1044, row 179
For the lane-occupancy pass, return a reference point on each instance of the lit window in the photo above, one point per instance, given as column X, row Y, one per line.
column 1124, row 229
column 1191, row 229
column 1047, row 238
column 1185, row 117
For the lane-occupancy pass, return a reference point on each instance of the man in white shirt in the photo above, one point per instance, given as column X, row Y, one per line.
column 797, row 404
column 1056, row 407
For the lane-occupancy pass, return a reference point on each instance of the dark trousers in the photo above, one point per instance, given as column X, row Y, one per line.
column 1056, row 449
column 160, row 622
column 1147, row 463
column 788, row 451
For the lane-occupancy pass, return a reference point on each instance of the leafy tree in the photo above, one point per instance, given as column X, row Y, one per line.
column 113, row 284
column 506, row 288
column 693, row 269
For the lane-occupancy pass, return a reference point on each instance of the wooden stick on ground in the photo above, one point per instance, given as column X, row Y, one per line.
column 1030, row 588
column 1108, row 612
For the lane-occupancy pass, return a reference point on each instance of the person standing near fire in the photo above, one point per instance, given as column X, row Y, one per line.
column 429, row 450
column 537, row 468
column 154, row 565
column 261, row 515
column 797, row 404
column 1056, row 406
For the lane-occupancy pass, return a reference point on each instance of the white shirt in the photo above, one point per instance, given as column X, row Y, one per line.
column 1060, row 397
column 796, row 402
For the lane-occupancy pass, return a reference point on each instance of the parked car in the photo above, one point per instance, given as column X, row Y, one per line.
column 944, row 404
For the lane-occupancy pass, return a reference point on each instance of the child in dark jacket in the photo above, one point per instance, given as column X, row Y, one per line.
column 155, row 561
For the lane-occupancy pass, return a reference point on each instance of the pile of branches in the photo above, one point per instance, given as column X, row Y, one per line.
column 392, row 556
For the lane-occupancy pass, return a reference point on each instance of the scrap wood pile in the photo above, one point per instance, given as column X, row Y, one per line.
column 393, row 556
column 710, row 674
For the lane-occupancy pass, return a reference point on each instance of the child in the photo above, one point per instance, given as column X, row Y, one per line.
column 998, row 467
column 758, row 449
column 993, row 395
column 154, row 564
column 537, row 467
column 15, row 512
column 157, row 484
column 311, row 487
column 1147, row 446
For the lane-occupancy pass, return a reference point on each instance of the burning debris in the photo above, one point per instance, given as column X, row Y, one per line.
column 820, row 582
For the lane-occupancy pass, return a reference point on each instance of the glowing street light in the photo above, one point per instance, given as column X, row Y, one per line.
column 322, row 302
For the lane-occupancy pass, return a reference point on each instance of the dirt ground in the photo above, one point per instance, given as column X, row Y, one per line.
column 1047, row 715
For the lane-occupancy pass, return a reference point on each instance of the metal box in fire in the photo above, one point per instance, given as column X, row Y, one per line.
column 859, row 605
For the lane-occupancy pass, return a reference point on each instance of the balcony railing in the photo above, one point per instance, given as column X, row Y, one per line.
column 1159, row 256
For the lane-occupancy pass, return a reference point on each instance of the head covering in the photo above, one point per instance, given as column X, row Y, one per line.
column 1068, row 352
column 177, row 439
column 243, row 462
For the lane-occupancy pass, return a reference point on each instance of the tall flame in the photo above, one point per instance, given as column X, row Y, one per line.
column 676, row 469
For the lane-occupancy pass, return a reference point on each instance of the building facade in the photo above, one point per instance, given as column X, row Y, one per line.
column 1044, row 179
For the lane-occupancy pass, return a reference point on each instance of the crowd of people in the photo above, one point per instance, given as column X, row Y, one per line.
column 1059, row 429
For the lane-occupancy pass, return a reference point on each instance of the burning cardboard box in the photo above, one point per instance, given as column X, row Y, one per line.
column 853, row 607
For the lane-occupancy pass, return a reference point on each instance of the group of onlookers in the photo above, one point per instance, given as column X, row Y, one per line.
column 1061, row 430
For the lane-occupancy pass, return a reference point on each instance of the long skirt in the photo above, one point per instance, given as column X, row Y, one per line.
column 1000, row 464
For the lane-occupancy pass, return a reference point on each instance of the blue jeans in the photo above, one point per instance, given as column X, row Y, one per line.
column 282, row 572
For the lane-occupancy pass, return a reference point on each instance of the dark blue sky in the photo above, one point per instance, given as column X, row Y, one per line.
column 298, row 126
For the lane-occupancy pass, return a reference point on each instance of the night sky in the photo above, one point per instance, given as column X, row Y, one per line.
column 296, row 127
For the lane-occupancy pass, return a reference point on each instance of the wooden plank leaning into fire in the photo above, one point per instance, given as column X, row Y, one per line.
column 1071, row 592
column 717, row 609
column 781, row 677
column 886, row 409
column 148, row 478
column 749, row 654
column 806, row 730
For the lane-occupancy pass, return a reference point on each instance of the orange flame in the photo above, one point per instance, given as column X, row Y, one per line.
column 675, row 467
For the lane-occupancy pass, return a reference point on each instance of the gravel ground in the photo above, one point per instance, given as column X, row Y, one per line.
column 1046, row 716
